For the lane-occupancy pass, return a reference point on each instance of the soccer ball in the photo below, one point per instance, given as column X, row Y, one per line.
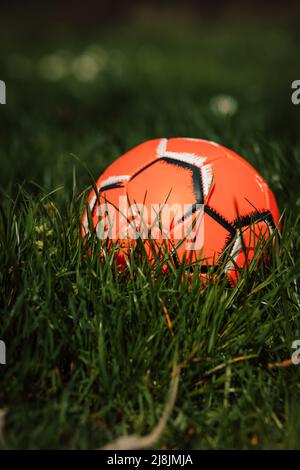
column 193, row 198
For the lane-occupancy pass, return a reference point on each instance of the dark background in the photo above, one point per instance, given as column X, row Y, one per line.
column 160, row 67
column 89, row 356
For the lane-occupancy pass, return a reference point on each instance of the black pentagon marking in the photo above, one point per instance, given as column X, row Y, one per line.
column 247, row 220
column 111, row 186
column 198, row 186
column 255, row 216
column 189, row 212
column 223, row 253
column 107, row 188
column 205, row 268
column 229, row 239
column 197, row 177
column 138, row 172
column 220, row 219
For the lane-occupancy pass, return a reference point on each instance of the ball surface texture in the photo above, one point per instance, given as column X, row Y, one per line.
column 195, row 183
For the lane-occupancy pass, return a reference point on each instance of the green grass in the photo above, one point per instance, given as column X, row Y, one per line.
column 89, row 352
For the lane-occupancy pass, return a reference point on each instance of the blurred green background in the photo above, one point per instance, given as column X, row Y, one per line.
column 92, row 353
column 93, row 89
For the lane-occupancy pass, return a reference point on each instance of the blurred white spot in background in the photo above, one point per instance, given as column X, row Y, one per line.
column 53, row 67
column 96, row 52
column 223, row 105
column 85, row 67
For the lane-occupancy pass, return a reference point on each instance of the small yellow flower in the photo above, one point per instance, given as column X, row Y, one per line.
column 75, row 288
column 40, row 228
column 39, row 244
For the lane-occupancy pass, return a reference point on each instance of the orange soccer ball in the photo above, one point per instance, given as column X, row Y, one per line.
column 193, row 197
